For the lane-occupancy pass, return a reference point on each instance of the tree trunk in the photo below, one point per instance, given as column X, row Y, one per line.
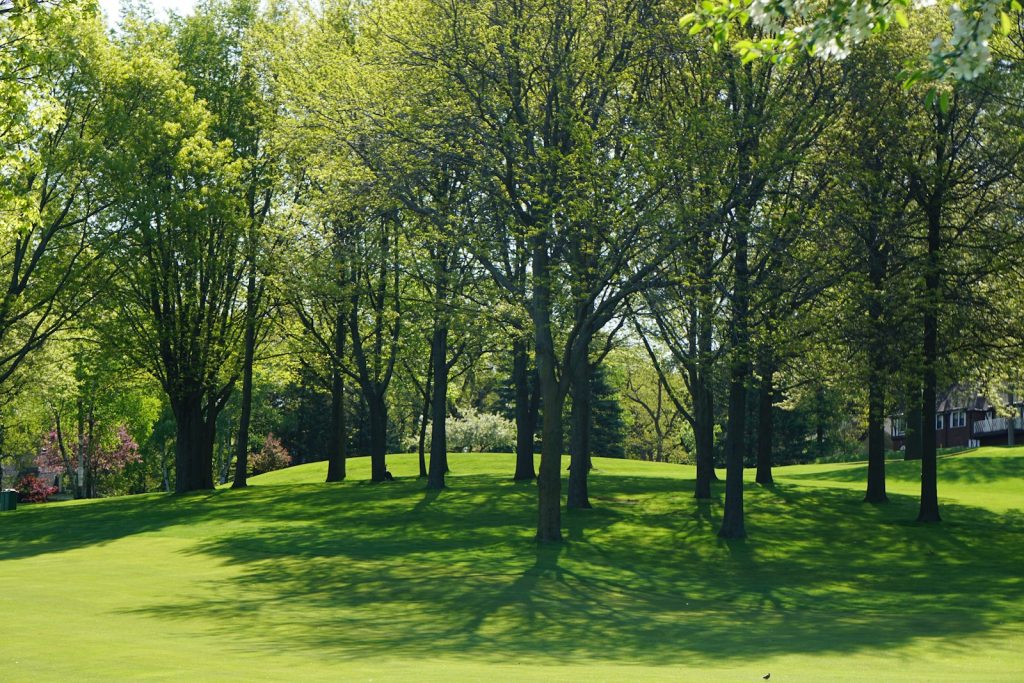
column 732, row 518
column 378, row 410
column 425, row 415
column 1011, row 427
column 192, row 448
column 929, row 511
column 80, row 491
column 209, row 425
column 819, row 418
column 876, row 375
column 242, row 447
column 62, row 447
column 579, row 450
column 765, row 424
column 525, row 416
column 912, row 437
column 337, row 456
column 90, row 454
column 439, row 408
column 704, row 437
column 337, row 440
column 876, row 444
column 876, row 437
column 549, row 483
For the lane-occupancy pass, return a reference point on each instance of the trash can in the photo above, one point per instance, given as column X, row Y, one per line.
column 8, row 500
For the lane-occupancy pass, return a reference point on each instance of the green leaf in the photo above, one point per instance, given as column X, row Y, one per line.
column 901, row 18
column 687, row 19
column 696, row 28
column 1005, row 24
column 944, row 101
column 929, row 98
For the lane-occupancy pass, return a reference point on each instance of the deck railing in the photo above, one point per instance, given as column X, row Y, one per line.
column 994, row 425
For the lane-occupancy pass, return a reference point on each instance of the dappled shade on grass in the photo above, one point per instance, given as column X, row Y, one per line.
column 360, row 571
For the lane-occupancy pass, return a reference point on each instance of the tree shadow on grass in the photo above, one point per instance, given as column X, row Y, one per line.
column 956, row 468
column 40, row 529
column 644, row 582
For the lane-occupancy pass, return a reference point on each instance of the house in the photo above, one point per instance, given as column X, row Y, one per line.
column 12, row 473
column 967, row 419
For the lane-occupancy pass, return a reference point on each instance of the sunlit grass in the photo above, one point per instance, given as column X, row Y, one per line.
column 294, row 579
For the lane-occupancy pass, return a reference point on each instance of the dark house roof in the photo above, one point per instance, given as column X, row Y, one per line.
column 960, row 398
column 970, row 399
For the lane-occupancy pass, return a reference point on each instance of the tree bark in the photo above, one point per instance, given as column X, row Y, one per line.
column 336, row 458
column 765, row 423
column 912, row 438
column 732, row 517
column 80, row 491
column 90, row 454
column 439, row 407
column 1011, row 426
column 242, row 446
column 549, row 483
column 525, row 414
column 704, row 437
column 62, row 447
column 876, row 443
column 579, row 450
column 193, row 448
column 876, row 374
column 929, row 511
column 425, row 416
column 378, row 414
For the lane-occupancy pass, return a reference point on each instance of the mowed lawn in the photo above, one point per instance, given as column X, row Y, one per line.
column 295, row 580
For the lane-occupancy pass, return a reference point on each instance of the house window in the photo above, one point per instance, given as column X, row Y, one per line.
column 957, row 419
column 899, row 426
column 939, row 422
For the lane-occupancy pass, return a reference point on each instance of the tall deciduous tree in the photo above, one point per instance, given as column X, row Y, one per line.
column 181, row 261
column 219, row 59
column 544, row 91
column 58, row 160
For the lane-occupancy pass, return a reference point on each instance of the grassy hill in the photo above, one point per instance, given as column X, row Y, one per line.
column 294, row 579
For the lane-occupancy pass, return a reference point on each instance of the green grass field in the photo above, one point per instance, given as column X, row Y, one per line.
column 295, row 580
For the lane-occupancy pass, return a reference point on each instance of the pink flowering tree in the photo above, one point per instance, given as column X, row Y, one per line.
column 116, row 459
column 271, row 456
column 100, row 462
column 52, row 458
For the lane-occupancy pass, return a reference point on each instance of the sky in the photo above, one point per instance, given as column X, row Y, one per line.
column 112, row 8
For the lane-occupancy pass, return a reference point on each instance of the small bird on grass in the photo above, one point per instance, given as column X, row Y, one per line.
column 767, row 676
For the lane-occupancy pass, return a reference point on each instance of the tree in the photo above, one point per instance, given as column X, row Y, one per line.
column 544, row 92
column 180, row 260
column 61, row 123
column 875, row 207
column 217, row 58
column 956, row 179
column 787, row 27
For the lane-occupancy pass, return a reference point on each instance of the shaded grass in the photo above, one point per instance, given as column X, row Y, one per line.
column 392, row 581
